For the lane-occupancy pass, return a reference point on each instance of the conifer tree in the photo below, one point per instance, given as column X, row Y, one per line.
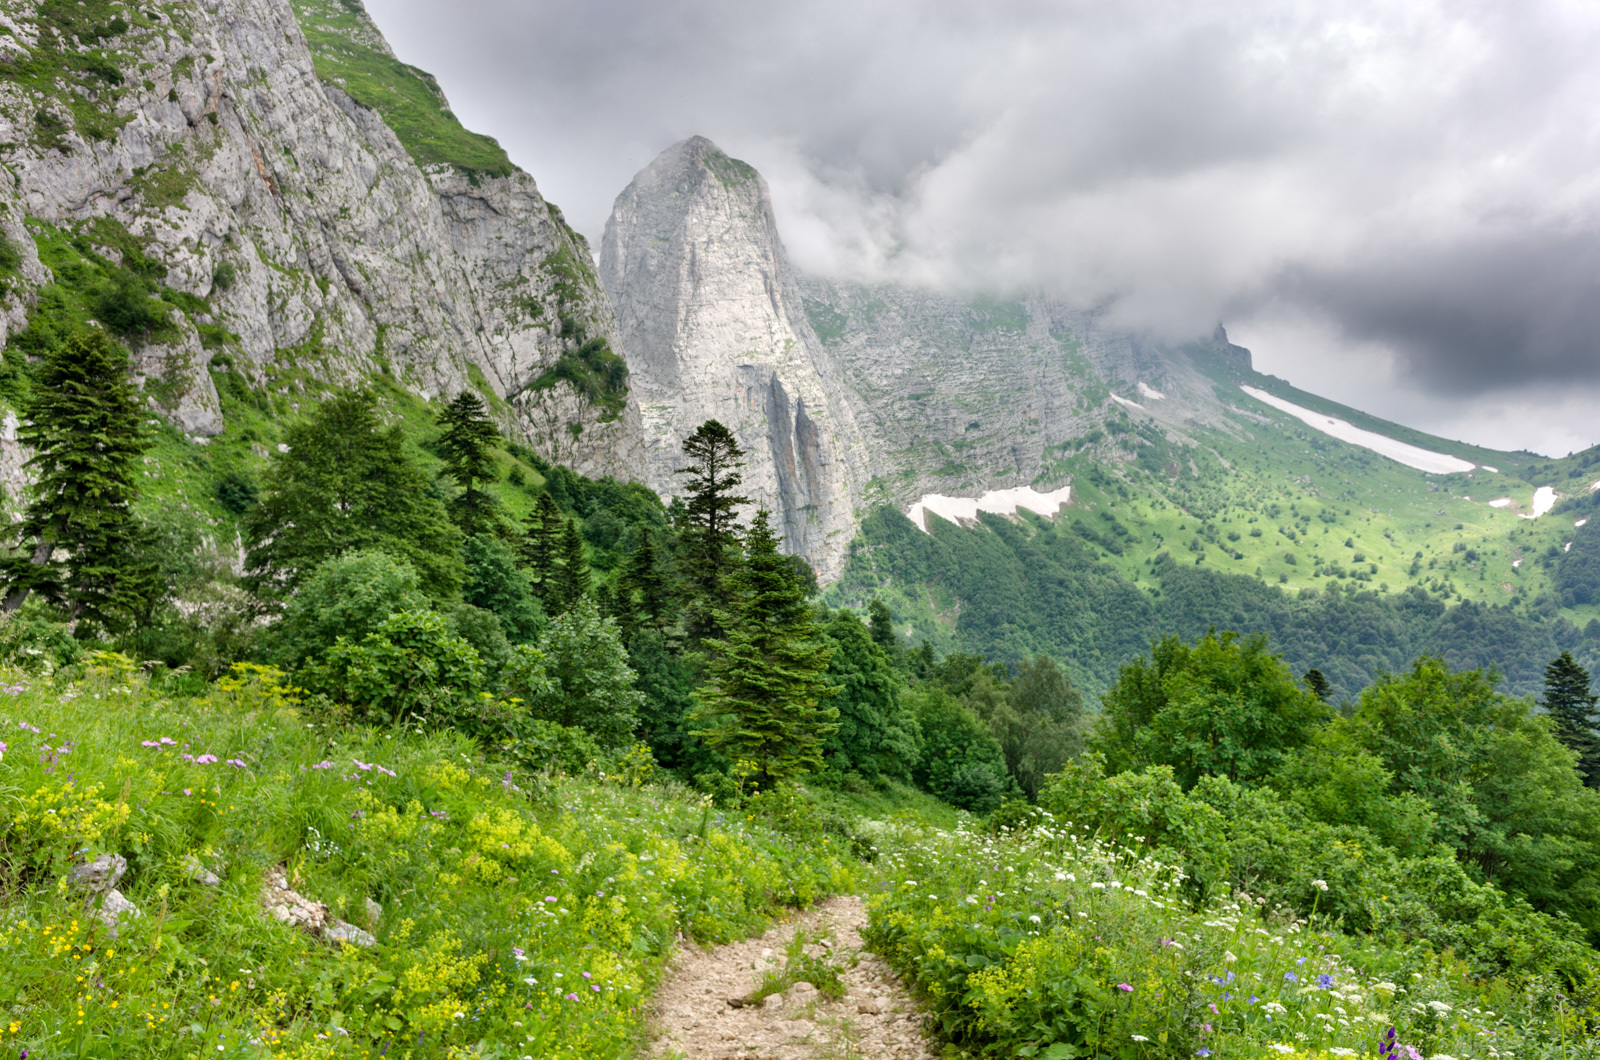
column 82, row 419
column 764, row 702
column 346, row 483
column 539, row 547
column 643, row 591
column 881, row 624
column 572, row 579
column 1572, row 705
column 468, row 443
column 1318, row 684
column 708, row 526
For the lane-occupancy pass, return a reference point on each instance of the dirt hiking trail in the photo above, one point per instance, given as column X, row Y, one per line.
column 710, row 1008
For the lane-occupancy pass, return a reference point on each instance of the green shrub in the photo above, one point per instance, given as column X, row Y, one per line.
column 590, row 685
column 411, row 668
column 348, row 596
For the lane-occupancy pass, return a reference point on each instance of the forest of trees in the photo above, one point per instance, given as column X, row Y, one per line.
column 607, row 625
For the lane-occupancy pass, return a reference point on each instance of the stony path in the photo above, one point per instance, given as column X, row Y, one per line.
column 696, row 1015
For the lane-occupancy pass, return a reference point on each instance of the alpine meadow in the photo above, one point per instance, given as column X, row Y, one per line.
column 427, row 636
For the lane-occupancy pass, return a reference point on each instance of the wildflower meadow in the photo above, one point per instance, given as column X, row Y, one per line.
column 513, row 914
column 1047, row 941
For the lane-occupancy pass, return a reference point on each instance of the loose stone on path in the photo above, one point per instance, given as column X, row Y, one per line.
column 701, row 1012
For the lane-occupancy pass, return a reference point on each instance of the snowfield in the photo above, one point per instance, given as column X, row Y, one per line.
column 1124, row 401
column 1149, row 391
column 1503, row 502
column 996, row 502
column 1400, row 452
column 1544, row 498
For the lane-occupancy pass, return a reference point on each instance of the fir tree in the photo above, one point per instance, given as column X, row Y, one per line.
column 764, row 701
column 708, row 525
column 467, row 444
column 1572, row 705
column 572, row 579
column 82, row 420
column 644, row 593
column 539, row 548
column 1318, row 684
column 346, row 483
column 881, row 624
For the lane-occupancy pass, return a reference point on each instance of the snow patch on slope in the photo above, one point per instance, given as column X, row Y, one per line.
column 1124, row 401
column 996, row 502
column 1400, row 452
column 1149, row 391
column 1503, row 502
column 1544, row 498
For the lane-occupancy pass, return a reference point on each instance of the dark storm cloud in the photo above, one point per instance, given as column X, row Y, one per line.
column 1422, row 177
column 1509, row 312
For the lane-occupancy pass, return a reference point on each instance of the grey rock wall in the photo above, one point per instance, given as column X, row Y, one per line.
column 710, row 319
column 350, row 259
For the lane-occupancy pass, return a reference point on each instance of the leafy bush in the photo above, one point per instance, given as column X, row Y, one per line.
column 34, row 640
column 412, row 667
column 1054, row 943
column 591, row 686
column 348, row 596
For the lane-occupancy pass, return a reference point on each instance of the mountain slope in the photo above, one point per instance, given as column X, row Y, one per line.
column 291, row 229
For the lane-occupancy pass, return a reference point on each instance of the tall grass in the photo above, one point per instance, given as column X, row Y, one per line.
column 520, row 915
column 1055, row 944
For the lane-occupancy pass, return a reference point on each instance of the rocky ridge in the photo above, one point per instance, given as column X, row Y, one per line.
column 319, row 245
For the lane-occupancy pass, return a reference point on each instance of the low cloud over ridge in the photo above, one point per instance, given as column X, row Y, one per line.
column 1401, row 195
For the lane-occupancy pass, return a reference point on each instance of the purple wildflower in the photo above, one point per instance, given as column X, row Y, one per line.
column 206, row 760
column 236, row 763
column 1125, row 986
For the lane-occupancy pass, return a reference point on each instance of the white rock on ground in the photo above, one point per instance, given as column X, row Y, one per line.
column 289, row 907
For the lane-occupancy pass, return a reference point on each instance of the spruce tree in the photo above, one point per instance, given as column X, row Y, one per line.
column 572, row 579
column 643, row 592
column 1572, row 705
column 346, row 483
column 764, row 702
column 467, row 445
column 881, row 624
column 539, row 548
column 1318, row 684
column 708, row 524
column 83, row 422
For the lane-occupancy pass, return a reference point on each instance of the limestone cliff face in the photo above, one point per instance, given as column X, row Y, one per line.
column 711, row 321
column 209, row 136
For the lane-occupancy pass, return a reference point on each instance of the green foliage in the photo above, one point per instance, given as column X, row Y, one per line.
column 763, row 703
column 412, row 668
column 83, row 424
column 1577, row 573
column 1039, row 723
column 708, row 524
column 595, row 372
column 961, row 761
column 424, row 824
column 827, row 322
column 346, row 48
column 802, row 964
column 877, row 735
column 572, row 576
column 539, row 548
column 1568, row 700
column 1225, row 707
column 591, row 685
column 495, row 583
column 1053, row 942
column 347, row 483
column 348, row 596
column 34, row 640
column 467, row 443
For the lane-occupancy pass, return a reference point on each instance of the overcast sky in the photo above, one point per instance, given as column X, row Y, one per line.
column 1393, row 204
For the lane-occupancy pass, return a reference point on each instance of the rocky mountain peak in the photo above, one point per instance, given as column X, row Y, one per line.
column 711, row 322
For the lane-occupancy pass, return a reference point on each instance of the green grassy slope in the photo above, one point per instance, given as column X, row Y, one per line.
column 1259, row 523
column 350, row 52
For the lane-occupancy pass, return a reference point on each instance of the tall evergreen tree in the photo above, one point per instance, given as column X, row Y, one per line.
column 764, row 702
column 881, row 624
column 540, row 547
column 1318, row 683
column 82, row 419
column 346, row 483
column 709, row 526
column 572, row 579
column 644, row 593
column 468, row 444
column 1570, row 702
